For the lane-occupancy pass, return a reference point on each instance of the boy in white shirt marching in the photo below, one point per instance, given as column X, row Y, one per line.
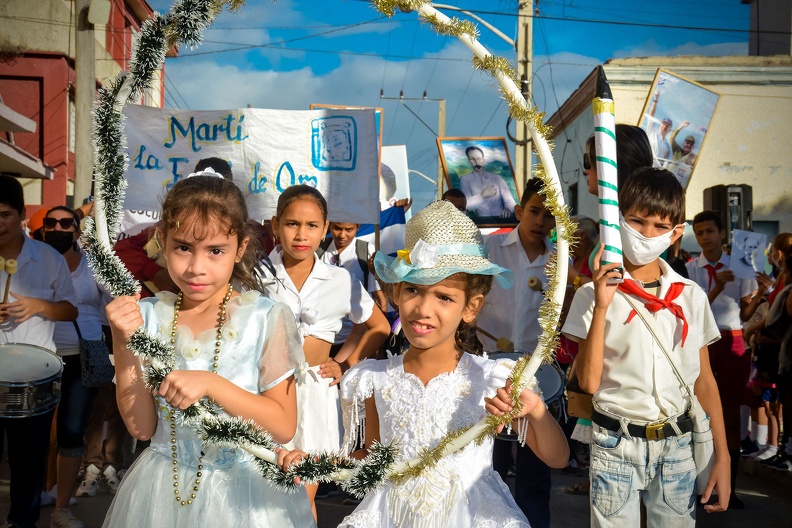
column 733, row 301
column 514, row 313
column 347, row 251
column 642, row 442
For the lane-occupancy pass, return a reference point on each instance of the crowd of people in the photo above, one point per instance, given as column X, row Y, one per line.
column 285, row 324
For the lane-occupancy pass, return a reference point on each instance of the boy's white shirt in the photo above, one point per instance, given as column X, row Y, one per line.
column 348, row 260
column 513, row 313
column 726, row 307
column 638, row 382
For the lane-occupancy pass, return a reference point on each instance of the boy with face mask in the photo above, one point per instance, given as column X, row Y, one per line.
column 642, row 446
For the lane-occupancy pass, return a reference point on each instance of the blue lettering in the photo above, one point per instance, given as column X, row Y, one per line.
column 175, row 126
column 257, row 184
column 151, row 162
column 278, row 182
column 205, row 132
column 174, row 161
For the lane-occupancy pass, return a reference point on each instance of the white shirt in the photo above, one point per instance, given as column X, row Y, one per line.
column 328, row 295
column 92, row 300
column 473, row 183
column 42, row 273
column 513, row 313
column 348, row 260
column 726, row 306
column 638, row 382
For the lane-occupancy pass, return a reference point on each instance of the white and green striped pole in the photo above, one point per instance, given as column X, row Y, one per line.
column 607, row 172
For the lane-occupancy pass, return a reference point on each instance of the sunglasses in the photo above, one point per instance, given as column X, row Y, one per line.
column 65, row 223
column 588, row 155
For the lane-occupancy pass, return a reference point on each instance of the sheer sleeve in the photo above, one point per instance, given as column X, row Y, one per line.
column 282, row 352
column 357, row 386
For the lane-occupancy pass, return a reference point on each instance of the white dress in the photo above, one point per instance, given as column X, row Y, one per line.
column 462, row 490
column 259, row 349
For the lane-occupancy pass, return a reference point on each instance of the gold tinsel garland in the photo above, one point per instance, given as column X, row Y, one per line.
column 549, row 310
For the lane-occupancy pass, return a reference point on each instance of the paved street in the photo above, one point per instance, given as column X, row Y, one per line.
column 766, row 495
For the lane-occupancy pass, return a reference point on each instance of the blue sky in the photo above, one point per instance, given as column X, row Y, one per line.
column 291, row 53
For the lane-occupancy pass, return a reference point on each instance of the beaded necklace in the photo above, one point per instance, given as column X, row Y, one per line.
column 221, row 317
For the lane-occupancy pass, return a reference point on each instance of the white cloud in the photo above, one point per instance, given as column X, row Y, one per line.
column 652, row 48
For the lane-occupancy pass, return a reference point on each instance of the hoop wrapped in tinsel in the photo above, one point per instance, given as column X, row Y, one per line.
column 185, row 23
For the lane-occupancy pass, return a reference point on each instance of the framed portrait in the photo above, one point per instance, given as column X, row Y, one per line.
column 747, row 253
column 676, row 116
column 480, row 176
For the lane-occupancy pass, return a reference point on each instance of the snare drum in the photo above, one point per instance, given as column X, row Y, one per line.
column 29, row 380
column 551, row 383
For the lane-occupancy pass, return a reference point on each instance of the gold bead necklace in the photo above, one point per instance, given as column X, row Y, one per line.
column 221, row 317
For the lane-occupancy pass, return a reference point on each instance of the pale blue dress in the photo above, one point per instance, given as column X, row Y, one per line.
column 260, row 348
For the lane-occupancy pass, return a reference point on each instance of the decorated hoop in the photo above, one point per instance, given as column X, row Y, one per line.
column 184, row 23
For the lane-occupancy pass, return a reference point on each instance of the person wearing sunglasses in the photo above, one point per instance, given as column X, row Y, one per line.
column 61, row 231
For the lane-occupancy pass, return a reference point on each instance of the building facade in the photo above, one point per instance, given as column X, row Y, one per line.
column 37, row 79
column 746, row 142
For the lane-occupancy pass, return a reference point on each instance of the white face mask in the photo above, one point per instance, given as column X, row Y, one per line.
column 641, row 250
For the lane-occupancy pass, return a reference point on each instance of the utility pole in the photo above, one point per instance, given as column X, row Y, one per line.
column 85, row 87
column 441, row 128
column 524, row 47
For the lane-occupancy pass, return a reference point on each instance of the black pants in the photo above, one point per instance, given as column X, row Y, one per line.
column 532, row 483
column 28, row 445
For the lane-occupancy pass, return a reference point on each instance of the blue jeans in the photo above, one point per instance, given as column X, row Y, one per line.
column 74, row 409
column 28, row 444
column 628, row 471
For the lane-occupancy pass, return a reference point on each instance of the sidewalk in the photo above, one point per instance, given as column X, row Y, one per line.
column 766, row 494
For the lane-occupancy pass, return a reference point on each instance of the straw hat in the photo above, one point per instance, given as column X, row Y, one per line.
column 440, row 241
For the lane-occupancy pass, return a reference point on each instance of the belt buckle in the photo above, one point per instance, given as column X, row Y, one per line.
column 654, row 431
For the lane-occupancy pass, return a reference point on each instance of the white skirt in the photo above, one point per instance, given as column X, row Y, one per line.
column 319, row 424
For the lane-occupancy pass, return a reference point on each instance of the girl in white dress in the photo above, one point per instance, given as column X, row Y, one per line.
column 238, row 351
column 320, row 296
column 415, row 400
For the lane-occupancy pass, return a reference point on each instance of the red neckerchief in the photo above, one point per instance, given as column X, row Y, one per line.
column 655, row 304
column 711, row 271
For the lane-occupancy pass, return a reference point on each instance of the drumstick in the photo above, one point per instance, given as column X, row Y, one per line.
column 10, row 269
column 502, row 343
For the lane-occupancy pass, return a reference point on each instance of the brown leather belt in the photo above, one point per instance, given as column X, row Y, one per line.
column 652, row 431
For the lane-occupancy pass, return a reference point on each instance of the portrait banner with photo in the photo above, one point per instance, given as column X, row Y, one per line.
column 336, row 151
column 747, row 254
column 479, row 171
column 676, row 117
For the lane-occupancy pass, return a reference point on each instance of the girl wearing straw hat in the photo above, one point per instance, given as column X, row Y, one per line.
column 440, row 282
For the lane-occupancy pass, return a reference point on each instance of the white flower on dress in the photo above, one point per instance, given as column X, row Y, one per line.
column 230, row 332
column 249, row 296
column 191, row 350
column 167, row 296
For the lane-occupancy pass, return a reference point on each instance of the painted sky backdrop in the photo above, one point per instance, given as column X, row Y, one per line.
column 291, row 53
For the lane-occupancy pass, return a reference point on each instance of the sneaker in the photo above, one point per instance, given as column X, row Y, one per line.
column 572, row 468
column 110, row 480
column 748, row 446
column 772, row 460
column 769, row 452
column 762, row 449
column 327, row 490
column 48, row 497
column 64, row 518
column 90, row 482
column 784, row 463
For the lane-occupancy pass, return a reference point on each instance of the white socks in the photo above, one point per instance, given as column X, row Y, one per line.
column 759, row 434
